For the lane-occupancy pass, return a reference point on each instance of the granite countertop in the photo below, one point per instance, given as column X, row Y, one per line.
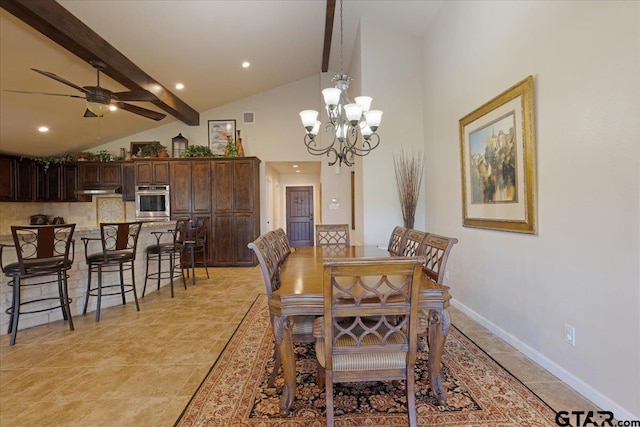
column 7, row 239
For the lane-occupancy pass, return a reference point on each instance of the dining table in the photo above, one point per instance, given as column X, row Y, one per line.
column 301, row 294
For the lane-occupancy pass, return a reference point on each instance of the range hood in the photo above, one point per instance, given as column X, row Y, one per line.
column 99, row 191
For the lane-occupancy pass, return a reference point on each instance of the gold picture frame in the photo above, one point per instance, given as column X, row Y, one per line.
column 498, row 162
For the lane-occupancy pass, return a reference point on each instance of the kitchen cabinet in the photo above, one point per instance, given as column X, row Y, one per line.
column 236, row 210
column 61, row 183
column 96, row 175
column 24, row 180
column 7, row 178
column 128, row 182
column 151, row 172
column 190, row 185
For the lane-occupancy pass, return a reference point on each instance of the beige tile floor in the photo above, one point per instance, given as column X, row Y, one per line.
column 141, row 368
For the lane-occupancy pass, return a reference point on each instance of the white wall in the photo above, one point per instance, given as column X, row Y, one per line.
column 391, row 73
column 582, row 268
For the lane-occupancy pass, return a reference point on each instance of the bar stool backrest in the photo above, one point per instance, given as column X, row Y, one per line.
column 120, row 237
column 42, row 246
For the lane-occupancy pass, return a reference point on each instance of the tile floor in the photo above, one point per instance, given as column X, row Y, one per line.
column 141, row 368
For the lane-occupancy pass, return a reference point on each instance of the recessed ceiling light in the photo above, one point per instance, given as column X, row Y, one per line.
column 246, row 64
column 43, row 129
column 179, row 86
column 298, row 171
column 295, row 166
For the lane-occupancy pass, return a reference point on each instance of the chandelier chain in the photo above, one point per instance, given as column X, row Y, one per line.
column 341, row 40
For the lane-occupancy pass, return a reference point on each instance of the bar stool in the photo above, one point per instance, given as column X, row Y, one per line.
column 172, row 250
column 42, row 251
column 196, row 243
column 119, row 241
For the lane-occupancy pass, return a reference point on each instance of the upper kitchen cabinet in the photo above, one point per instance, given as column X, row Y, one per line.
column 151, row 172
column 7, row 177
column 100, row 174
column 61, row 183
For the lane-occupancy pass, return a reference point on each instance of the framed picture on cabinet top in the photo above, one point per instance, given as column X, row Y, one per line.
column 219, row 133
column 498, row 162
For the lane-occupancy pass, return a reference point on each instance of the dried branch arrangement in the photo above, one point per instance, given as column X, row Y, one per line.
column 409, row 179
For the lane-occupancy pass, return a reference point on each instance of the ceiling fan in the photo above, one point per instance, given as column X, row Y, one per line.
column 101, row 100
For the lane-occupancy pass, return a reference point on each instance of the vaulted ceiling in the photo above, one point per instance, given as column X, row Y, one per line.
column 201, row 44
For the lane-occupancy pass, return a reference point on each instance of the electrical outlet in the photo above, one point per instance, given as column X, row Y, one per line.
column 446, row 274
column 570, row 334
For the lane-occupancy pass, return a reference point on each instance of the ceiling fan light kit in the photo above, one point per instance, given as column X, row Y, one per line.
column 352, row 125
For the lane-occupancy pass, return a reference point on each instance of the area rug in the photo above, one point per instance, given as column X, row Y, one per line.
column 235, row 392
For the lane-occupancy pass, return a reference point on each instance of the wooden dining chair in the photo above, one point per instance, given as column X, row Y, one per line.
column 370, row 324
column 395, row 241
column 276, row 247
column 302, row 325
column 436, row 251
column 284, row 241
column 332, row 234
column 412, row 242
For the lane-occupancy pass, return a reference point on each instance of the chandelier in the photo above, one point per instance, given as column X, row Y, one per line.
column 352, row 125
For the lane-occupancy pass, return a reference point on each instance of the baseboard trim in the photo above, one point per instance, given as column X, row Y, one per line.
column 571, row 380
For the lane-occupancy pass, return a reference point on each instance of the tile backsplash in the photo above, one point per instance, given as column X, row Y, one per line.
column 83, row 214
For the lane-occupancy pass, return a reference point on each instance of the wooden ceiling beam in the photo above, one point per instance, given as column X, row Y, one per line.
column 328, row 33
column 61, row 26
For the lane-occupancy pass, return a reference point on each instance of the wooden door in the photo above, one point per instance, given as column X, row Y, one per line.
column 300, row 216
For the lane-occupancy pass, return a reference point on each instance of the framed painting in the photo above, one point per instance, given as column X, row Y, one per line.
column 219, row 132
column 498, row 162
column 138, row 147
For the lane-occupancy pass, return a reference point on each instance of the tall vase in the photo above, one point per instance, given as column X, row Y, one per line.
column 239, row 147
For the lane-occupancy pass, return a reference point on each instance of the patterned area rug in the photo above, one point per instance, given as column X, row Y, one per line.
column 235, row 392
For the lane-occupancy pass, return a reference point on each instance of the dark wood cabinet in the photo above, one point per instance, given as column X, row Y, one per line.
column 94, row 175
column 7, row 178
column 61, row 183
column 24, row 180
column 128, row 182
column 236, row 210
column 152, row 172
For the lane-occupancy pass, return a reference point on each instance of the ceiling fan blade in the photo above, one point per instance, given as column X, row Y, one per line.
column 61, row 80
column 135, row 95
column 88, row 113
column 150, row 114
column 44, row 93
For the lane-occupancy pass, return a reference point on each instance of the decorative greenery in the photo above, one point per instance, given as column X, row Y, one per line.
column 197, row 151
column 152, row 149
column 84, row 155
column 47, row 161
column 409, row 179
column 103, row 156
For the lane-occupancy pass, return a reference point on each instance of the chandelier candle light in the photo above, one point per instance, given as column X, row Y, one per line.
column 347, row 120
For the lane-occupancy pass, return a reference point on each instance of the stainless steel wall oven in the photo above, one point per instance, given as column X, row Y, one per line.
column 153, row 203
